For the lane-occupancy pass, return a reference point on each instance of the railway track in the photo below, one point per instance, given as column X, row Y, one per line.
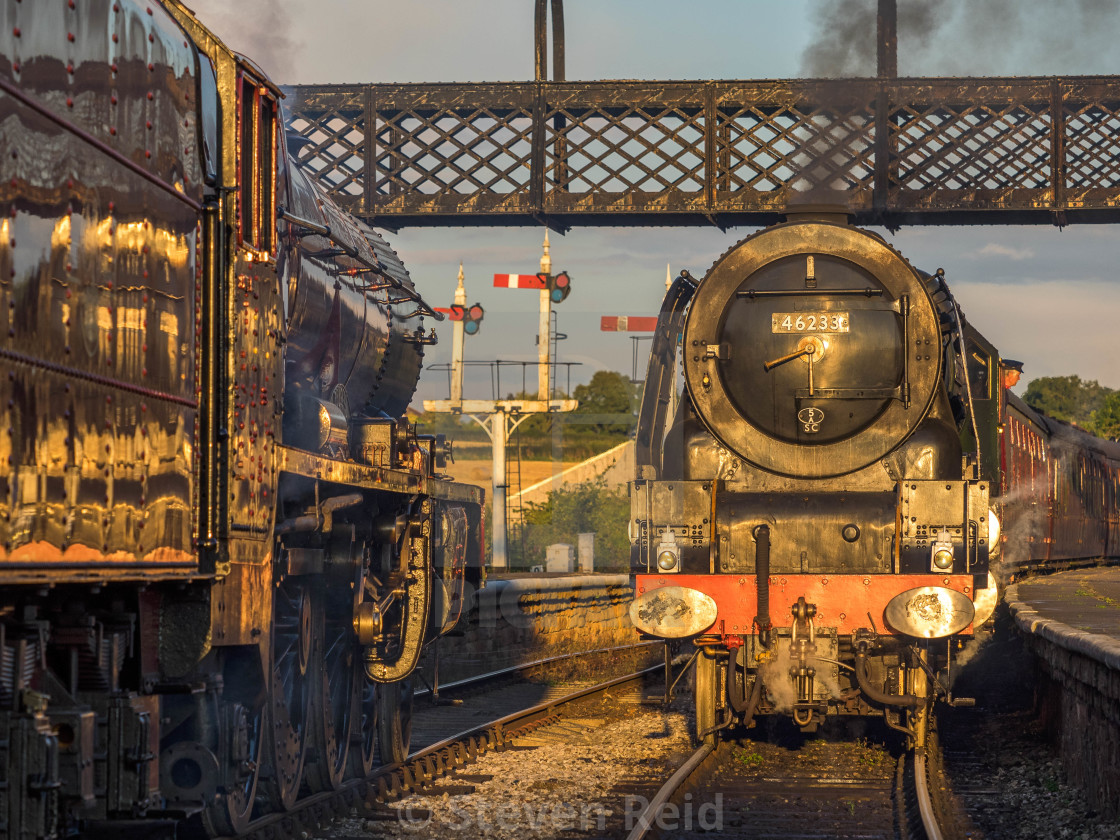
column 817, row 789
column 449, row 736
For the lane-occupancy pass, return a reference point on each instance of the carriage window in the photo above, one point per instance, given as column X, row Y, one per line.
column 247, row 161
column 267, row 146
column 979, row 380
column 257, row 165
column 208, row 84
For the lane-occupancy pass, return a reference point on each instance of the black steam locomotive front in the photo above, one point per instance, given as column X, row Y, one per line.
column 811, row 514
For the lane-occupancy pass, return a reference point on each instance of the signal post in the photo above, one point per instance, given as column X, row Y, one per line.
column 500, row 417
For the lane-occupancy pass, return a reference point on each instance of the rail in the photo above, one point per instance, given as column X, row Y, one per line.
column 396, row 780
column 709, row 755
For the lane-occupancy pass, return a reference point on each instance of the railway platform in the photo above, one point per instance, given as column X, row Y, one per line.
column 1071, row 621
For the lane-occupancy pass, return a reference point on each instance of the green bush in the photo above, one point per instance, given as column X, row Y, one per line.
column 587, row 507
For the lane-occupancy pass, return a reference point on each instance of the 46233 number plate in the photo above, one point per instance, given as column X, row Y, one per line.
column 809, row 322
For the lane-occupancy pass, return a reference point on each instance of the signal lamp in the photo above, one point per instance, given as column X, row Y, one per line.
column 472, row 319
column 559, row 287
column 666, row 561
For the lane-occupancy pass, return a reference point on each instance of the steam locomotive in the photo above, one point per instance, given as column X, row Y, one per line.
column 222, row 547
column 846, row 483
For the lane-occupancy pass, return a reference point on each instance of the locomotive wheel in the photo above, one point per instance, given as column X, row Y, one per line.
column 394, row 721
column 330, row 730
column 363, row 732
column 294, row 650
column 242, row 733
column 704, row 685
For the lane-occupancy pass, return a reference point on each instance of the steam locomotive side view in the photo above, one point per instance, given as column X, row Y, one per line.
column 222, row 546
column 845, row 484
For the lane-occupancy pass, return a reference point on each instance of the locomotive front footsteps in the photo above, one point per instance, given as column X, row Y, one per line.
column 222, row 547
column 822, row 519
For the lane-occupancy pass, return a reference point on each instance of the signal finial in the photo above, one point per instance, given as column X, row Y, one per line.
column 460, row 290
column 546, row 260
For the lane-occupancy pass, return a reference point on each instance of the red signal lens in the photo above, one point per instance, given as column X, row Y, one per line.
column 562, row 280
column 476, row 313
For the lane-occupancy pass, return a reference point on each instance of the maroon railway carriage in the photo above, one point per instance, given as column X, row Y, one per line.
column 1061, row 492
column 221, row 547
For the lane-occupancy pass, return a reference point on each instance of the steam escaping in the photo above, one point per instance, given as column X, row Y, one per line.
column 780, row 687
column 259, row 29
column 967, row 38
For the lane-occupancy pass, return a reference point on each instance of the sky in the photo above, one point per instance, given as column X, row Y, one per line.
column 1045, row 296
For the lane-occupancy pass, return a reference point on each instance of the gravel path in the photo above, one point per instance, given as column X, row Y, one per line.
column 566, row 780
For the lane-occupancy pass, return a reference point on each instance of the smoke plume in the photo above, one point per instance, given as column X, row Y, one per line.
column 259, row 29
column 968, row 38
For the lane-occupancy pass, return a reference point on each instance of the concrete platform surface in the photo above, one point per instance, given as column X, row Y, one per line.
column 1078, row 609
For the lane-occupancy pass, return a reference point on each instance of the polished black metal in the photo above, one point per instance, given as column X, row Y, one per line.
column 892, row 151
column 165, row 648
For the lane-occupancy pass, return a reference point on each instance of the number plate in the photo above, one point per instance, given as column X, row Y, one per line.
column 809, row 322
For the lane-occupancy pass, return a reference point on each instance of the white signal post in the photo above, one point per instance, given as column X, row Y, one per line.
column 500, row 417
column 544, row 385
column 457, row 336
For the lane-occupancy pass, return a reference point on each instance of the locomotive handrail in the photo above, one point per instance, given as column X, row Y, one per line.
column 753, row 293
column 963, row 353
column 343, row 248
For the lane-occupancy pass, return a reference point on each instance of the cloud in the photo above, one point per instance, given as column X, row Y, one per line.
column 1056, row 327
column 995, row 249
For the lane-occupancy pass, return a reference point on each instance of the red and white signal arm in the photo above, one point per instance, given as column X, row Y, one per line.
column 628, row 323
column 519, row 281
column 455, row 312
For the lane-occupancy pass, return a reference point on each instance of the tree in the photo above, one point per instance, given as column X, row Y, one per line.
column 1067, row 398
column 1106, row 419
column 608, row 392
